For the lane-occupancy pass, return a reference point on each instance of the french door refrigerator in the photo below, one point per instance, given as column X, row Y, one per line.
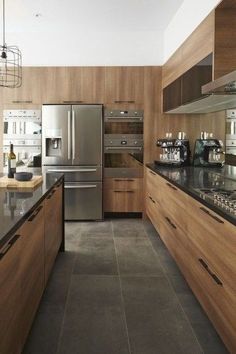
column 72, row 143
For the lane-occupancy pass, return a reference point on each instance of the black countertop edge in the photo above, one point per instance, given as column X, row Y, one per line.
column 20, row 222
column 188, row 191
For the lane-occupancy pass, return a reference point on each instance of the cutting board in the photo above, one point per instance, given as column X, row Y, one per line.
column 6, row 182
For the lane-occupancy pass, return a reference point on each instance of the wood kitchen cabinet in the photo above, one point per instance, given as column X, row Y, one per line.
column 25, row 263
column 10, row 256
column 31, row 90
column 31, row 269
column 123, row 195
column 124, row 85
column 53, row 228
column 203, row 245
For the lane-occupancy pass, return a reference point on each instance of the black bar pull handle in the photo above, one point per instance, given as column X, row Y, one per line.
column 153, row 173
column 213, row 275
column 7, row 247
column 152, row 199
column 31, row 218
column 212, row 216
column 172, row 187
column 170, row 222
column 51, row 194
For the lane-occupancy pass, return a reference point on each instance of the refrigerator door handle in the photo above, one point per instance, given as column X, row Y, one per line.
column 73, row 171
column 73, row 134
column 69, row 135
column 80, row 187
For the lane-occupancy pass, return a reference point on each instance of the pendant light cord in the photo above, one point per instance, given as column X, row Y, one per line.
column 3, row 22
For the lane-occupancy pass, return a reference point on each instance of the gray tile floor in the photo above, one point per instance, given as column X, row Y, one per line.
column 116, row 290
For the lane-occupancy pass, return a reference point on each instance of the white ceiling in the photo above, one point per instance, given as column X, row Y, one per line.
column 90, row 32
column 90, row 15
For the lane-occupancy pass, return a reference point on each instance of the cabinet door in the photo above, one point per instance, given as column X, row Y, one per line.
column 123, row 195
column 31, row 269
column 10, row 297
column 56, row 85
column 53, row 228
column 93, row 84
column 172, row 95
column 31, row 90
column 124, row 85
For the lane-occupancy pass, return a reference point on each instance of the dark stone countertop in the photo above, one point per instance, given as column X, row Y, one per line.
column 192, row 179
column 16, row 205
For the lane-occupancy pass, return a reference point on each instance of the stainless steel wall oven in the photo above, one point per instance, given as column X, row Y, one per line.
column 123, row 143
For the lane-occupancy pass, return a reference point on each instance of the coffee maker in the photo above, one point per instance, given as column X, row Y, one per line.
column 208, row 152
column 175, row 152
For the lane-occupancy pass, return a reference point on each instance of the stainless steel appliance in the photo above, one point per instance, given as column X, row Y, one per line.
column 223, row 198
column 123, row 143
column 174, row 152
column 230, row 132
column 22, row 128
column 72, row 143
column 209, row 153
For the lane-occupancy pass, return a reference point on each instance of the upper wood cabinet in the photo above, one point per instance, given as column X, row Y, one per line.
column 31, row 90
column 216, row 34
column 124, row 85
column 187, row 88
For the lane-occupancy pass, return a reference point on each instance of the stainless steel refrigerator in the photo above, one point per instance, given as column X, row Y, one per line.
column 72, row 143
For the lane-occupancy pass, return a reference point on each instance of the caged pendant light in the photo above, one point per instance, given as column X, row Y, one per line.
column 10, row 60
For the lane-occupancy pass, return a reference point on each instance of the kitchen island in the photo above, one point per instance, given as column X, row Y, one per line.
column 31, row 234
column 193, row 210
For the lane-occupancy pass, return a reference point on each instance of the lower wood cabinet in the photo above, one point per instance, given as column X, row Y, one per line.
column 53, row 228
column 10, row 339
column 31, row 269
column 203, row 245
column 123, row 195
column 25, row 265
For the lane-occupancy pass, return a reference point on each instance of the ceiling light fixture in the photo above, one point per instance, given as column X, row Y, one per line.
column 10, row 61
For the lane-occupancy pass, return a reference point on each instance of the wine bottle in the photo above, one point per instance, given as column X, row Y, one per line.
column 11, row 162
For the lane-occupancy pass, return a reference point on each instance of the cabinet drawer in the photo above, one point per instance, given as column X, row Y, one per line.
column 31, row 268
column 53, row 228
column 123, row 183
column 123, row 200
column 153, row 211
column 217, row 299
column 10, row 297
column 215, row 238
column 170, row 197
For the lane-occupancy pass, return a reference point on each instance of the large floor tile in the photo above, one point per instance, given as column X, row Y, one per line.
column 94, row 320
column 136, row 256
column 97, row 226
column 155, row 320
column 125, row 225
column 45, row 333
column 96, row 256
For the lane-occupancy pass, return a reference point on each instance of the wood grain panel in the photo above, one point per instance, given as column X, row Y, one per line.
column 196, row 47
column 124, row 85
column 225, row 41
column 53, row 228
column 31, row 269
column 9, row 300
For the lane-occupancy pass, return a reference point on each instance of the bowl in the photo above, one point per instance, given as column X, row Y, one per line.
column 23, row 176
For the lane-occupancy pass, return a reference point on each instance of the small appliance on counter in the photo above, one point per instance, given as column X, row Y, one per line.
column 174, row 152
column 208, row 151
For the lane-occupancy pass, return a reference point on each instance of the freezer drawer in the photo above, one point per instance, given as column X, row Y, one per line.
column 83, row 201
column 77, row 173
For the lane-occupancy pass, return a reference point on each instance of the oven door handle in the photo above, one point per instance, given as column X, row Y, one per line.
column 123, row 148
column 88, row 186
